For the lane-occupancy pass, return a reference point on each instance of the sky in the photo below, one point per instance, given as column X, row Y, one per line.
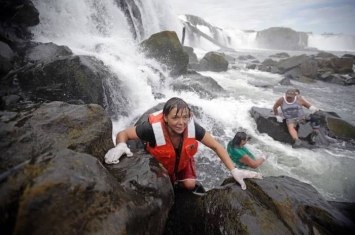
column 316, row 16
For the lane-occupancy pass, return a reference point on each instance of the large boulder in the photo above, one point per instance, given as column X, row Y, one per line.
column 332, row 129
column 205, row 87
column 42, row 52
column 63, row 191
column 26, row 135
column 273, row 205
column 54, row 74
column 166, row 48
column 212, row 61
column 25, row 13
column 342, row 65
column 298, row 66
column 53, row 179
column 15, row 18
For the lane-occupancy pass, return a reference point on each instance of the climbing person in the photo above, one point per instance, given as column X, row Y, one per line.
column 292, row 109
column 240, row 155
column 172, row 136
column 298, row 93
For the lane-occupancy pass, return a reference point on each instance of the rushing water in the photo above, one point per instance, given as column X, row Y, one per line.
column 99, row 28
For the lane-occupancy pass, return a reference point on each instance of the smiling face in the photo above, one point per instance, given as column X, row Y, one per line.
column 177, row 121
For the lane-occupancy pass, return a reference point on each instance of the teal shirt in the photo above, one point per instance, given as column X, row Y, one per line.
column 237, row 153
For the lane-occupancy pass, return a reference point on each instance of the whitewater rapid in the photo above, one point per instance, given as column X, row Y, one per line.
column 100, row 29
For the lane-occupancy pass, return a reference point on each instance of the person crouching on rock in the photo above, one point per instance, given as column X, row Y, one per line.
column 172, row 137
column 292, row 109
column 240, row 155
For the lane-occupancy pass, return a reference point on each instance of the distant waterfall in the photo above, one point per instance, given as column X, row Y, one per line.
column 240, row 39
column 332, row 42
column 100, row 28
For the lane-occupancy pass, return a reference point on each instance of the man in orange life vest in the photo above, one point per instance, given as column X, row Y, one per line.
column 171, row 137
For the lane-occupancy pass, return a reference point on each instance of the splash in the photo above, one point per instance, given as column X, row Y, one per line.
column 101, row 29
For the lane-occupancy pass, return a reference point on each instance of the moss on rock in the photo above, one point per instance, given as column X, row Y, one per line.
column 341, row 128
column 166, row 48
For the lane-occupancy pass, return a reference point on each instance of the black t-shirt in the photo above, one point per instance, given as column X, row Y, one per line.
column 145, row 132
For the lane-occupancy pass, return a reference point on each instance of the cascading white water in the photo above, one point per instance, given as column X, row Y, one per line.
column 239, row 39
column 99, row 28
column 337, row 42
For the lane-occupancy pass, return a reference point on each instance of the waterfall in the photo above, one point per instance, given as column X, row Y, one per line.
column 238, row 39
column 332, row 42
column 100, row 28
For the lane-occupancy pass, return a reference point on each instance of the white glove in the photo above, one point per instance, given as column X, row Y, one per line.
column 279, row 118
column 265, row 156
column 239, row 175
column 114, row 154
column 313, row 109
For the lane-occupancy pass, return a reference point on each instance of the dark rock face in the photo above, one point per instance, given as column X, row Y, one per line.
column 6, row 59
column 66, row 81
column 274, row 205
column 341, row 65
column 15, row 17
column 212, row 61
column 52, row 176
column 83, row 128
column 332, row 129
column 52, row 171
column 206, row 87
column 307, row 69
column 54, row 74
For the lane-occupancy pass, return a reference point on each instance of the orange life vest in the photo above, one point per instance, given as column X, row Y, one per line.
column 164, row 150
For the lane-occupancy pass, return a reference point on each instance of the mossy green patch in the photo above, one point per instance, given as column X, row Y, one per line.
column 341, row 128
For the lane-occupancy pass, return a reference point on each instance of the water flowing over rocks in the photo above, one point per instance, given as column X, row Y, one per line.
column 333, row 130
column 55, row 128
column 133, row 16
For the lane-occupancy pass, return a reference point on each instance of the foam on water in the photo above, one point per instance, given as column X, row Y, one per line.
column 99, row 28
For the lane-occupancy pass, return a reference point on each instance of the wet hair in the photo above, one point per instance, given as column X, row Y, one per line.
column 239, row 136
column 177, row 103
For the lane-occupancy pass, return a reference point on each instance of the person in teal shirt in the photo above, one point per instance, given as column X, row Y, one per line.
column 240, row 155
